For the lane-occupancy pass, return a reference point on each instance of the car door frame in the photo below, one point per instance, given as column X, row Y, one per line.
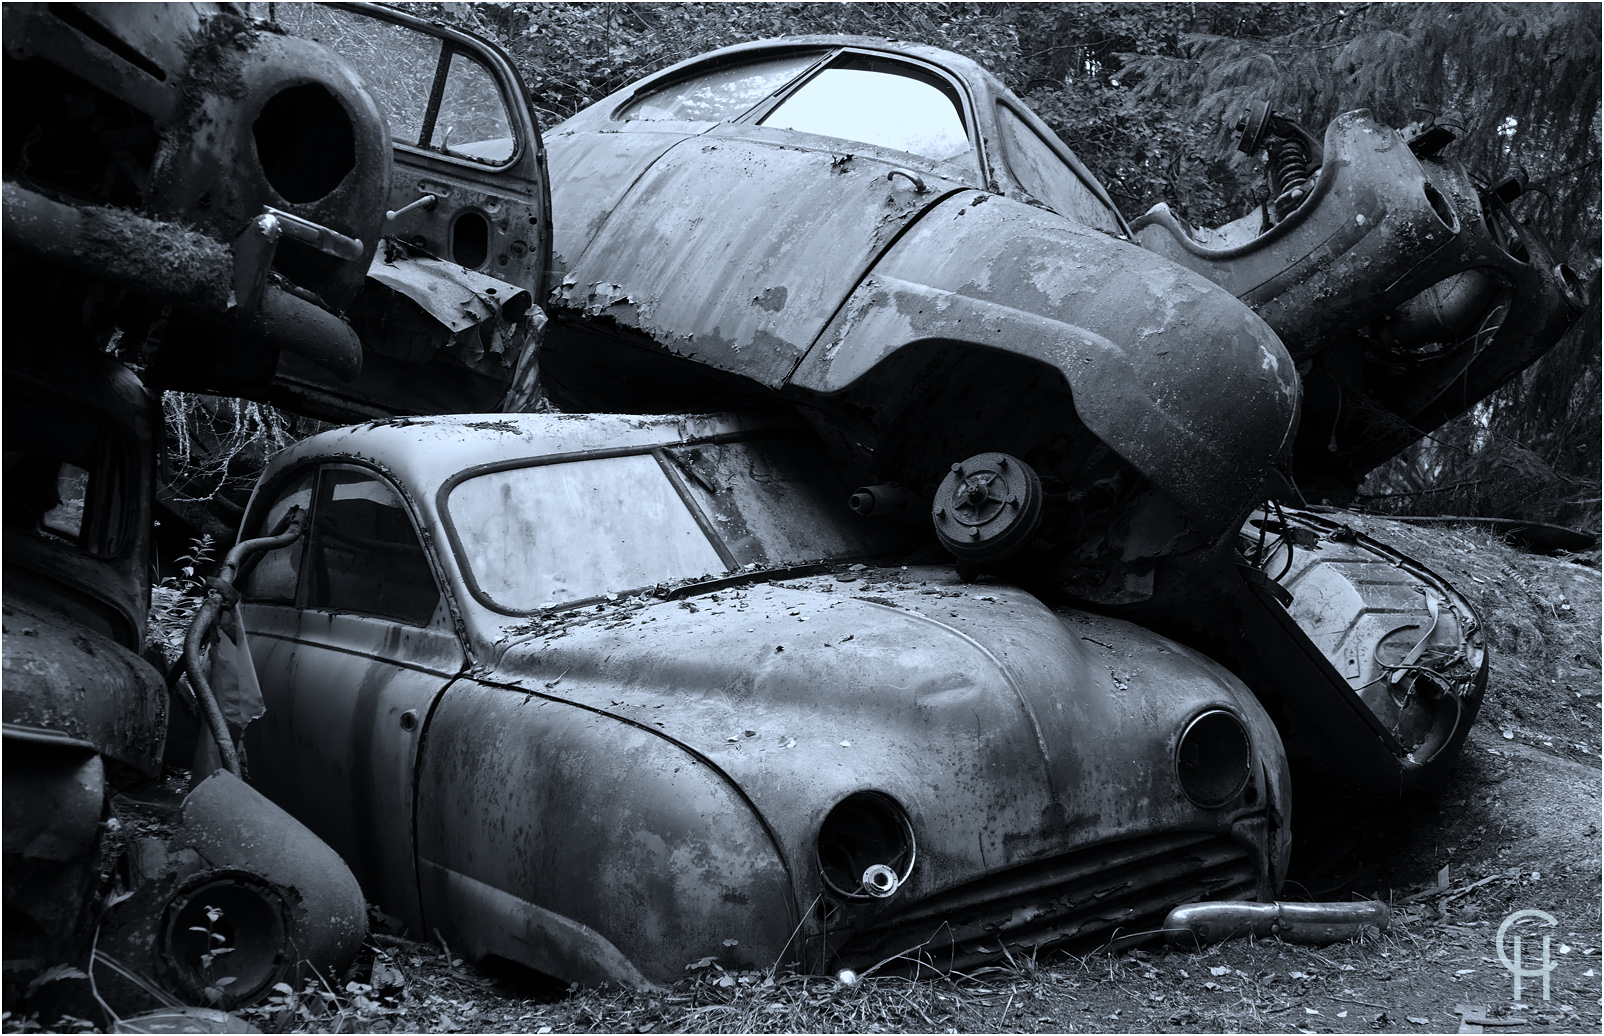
column 404, row 694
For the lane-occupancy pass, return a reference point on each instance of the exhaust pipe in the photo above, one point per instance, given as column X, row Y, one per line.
column 1312, row 924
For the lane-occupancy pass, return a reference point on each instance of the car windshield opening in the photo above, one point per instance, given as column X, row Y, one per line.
column 553, row 534
column 722, row 95
column 880, row 102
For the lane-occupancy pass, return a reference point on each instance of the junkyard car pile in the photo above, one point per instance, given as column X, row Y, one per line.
column 958, row 622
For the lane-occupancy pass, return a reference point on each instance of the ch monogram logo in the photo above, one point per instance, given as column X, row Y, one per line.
column 1514, row 964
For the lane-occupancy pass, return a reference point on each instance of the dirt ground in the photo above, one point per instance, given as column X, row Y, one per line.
column 1517, row 828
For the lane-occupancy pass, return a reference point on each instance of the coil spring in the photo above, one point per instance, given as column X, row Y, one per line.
column 1288, row 169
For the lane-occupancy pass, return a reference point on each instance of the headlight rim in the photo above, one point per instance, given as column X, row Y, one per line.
column 911, row 850
column 1220, row 799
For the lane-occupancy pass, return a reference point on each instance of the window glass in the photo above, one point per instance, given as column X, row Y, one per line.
column 774, row 503
column 878, row 102
column 472, row 121
column 365, row 556
column 722, row 95
column 1047, row 178
column 273, row 578
column 400, row 67
column 555, row 533
column 64, row 476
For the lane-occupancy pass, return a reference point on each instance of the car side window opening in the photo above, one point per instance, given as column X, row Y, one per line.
column 722, row 95
column 552, row 534
column 364, row 555
column 64, row 477
column 276, row 573
column 1048, row 178
column 881, row 102
column 433, row 96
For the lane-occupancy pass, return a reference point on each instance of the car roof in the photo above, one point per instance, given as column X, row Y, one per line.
column 425, row 451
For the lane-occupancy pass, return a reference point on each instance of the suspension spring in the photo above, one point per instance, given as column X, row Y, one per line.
column 1289, row 172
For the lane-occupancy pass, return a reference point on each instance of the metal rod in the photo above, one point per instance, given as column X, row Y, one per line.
column 290, row 529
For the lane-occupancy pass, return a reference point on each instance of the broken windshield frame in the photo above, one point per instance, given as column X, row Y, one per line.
column 767, row 516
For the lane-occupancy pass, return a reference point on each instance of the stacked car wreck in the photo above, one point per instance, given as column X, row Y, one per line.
column 195, row 200
column 968, row 623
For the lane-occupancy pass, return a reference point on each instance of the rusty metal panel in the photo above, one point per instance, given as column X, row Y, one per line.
column 1405, row 657
column 590, row 172
column 735, row 252
column 343, row 714
column 457, row 297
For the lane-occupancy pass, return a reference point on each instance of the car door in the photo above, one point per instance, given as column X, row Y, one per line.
column 469, row 190
column 738, row 245
column 349, row 673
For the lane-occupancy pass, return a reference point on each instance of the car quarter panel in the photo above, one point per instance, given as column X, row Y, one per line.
column 616, row 854
column 1174, row 374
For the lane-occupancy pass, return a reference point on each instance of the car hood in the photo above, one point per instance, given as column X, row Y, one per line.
column 1008, row 732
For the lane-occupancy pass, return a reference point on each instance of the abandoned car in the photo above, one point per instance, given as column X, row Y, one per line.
column 609, row 695
column 1405, row 288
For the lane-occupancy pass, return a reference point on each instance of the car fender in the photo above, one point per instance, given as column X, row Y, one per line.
column 560, row 837
column 1170, row 371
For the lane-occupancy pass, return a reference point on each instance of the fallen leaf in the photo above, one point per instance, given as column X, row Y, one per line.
column 1418, row 1020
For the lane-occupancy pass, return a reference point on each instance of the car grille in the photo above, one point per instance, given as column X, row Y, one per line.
column 1115, row 889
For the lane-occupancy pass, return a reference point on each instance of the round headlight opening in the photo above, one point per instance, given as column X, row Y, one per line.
column 1213, row 759
column 866, row 847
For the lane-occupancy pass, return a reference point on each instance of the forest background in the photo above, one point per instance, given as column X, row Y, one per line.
column 1147, row 94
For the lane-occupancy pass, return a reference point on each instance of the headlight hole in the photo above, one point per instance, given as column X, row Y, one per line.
column 1441, row 208
column 866, row 847
column 1213, row 759
column 305, row 143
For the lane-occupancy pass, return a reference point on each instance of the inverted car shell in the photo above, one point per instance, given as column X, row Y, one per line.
column 826, row 269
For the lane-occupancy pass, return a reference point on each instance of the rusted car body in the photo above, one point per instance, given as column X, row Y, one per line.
column 205, row 196
column 601, row 695
column 885, row 237
column 1404, row 288
column 890, row 264
column 1392, row 662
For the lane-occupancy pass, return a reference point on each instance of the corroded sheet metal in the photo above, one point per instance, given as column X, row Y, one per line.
column 457, row 297
column 1007, row 732
column 590, row 172
column 1401, row 654
column 735, row 252
column 1179, row 379
column 63, row 678
column 1390, row 276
